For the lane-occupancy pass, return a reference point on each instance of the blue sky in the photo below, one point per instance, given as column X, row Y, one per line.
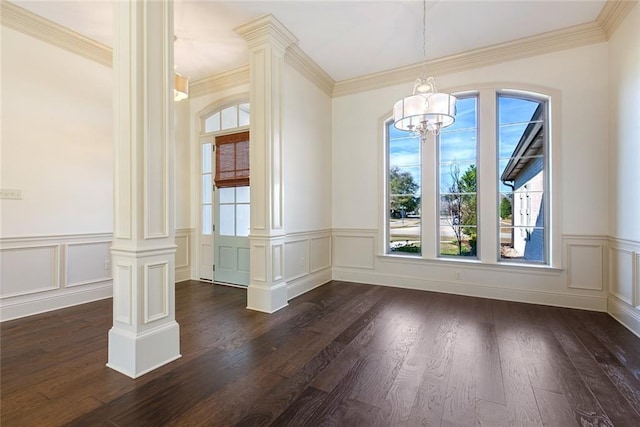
column 458, row 141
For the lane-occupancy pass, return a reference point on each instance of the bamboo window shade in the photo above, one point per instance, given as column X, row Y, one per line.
column 232, row 160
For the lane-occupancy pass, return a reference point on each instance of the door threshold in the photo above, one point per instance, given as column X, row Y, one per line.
column 232, row 285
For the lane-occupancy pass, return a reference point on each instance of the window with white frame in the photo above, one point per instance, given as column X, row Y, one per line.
column 488, row 177
column 522, row 177
column 458, row 182
column 220, row 121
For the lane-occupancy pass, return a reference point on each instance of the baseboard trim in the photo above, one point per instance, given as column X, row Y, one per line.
column 307, row 283
column 183, row 274
column 556, row 299
column 45, row 302
column 624, row 314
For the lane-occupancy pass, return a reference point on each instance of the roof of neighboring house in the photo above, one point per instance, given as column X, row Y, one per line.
column 528, row 148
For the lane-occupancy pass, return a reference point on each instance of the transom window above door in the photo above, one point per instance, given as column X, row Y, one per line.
column 230, row 117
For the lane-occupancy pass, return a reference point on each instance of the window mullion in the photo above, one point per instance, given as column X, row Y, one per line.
column 487, row 184
column 430, row 216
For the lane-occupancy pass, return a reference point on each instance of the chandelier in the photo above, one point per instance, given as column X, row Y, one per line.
column 180, row 87
column 180, row 83
column 426, row 110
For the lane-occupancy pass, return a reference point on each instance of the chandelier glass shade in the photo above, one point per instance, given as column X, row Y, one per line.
column 180, row 87
column 424, row 112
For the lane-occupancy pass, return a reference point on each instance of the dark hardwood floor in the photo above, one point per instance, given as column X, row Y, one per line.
column 344, row 355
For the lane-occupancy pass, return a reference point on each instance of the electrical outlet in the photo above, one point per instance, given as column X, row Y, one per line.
column 8, row 193
column 107, row 264
column 458, row 275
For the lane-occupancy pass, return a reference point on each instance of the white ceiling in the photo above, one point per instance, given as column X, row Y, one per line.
column 347, row 38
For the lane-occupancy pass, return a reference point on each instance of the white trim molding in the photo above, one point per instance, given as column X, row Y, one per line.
column 624, row 282
column 613, row 13
column 600, row 30
column 44, row 273
column 219, row 82
column 355, row 259
column 306, row 66
column 307, row 261
column 623, row 313
column 185, row 253
column 51, row 272
column 29, row 23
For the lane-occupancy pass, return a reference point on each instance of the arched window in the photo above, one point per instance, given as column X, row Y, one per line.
column 481, row 189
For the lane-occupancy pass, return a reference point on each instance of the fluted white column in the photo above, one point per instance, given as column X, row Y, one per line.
column 145, row 334
column 267, row 40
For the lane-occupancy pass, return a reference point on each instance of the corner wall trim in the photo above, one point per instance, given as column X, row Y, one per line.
column 624, row 314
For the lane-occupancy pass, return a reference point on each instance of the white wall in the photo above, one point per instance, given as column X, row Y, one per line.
column 306, row 131
column 306, row 151
column 580, row 76
column 624, row 173
column 624, row 84
column 56, row 140
column 57, row 149
column 183, row 164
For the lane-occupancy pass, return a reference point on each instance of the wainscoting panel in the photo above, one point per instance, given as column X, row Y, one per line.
column 354, row 249
column 277, row 264
column 29, row 270
column 580, row 283
column 87, row 262
column 636, row 280
column 320, row 253
column 296, row 255
column 45, row 273
column 156, row 288
column 123, row 292
column 307, row 261
column 585, row 266
column 184, row 252
column 624, row 283
column 258, row 261
column 621, row 277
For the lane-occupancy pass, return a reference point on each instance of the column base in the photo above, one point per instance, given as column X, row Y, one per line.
column 267, row 299
column 136, row 354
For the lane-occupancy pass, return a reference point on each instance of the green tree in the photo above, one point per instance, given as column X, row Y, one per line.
column 403, row 189
column 505, row 207
column 461, row 206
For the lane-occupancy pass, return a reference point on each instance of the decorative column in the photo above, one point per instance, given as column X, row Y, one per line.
column 145, row 334
column 267, row 41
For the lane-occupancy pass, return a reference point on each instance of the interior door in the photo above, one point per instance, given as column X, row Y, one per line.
column 231, row 236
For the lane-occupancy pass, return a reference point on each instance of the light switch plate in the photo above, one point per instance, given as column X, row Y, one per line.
column 8, row 193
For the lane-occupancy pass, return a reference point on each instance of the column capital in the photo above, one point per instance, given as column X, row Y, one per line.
column 266, row 30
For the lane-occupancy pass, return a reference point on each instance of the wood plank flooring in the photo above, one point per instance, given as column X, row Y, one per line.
column 341, row 355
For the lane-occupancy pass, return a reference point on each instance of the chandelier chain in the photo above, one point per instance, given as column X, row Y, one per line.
column 424, row 39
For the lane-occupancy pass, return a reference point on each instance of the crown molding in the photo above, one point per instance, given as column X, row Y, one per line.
column 294, row 56
column 266, row 29
column 553, row 41
column 221, row 81
column 610, row 17
column 613, row 13
column 306, row 66
column 19, row 19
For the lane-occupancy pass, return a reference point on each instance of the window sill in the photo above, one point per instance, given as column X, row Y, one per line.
column 473, row 263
